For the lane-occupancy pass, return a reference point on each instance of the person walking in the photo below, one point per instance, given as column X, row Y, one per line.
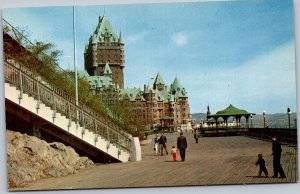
column 156, row 144
column 174, row 151
column 196, row 135
column 262, row 165
column 182, row 145
column 163, row 142
column 276, row 149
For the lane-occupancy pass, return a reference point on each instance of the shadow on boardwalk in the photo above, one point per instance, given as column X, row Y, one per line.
column 213, row 161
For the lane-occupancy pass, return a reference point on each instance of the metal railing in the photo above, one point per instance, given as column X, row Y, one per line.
column 27, row 82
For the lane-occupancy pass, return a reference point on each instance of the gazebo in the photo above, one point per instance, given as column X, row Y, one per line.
column 232, row 111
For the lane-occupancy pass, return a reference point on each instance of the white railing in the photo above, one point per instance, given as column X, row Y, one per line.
column 31, row 84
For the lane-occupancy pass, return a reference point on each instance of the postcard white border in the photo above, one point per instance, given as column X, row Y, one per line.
column 235, row 189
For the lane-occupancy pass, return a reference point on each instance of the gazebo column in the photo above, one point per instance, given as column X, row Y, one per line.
column 236, row 121
column 239, row 121
column 247, row 122
column 226, row 121
column 226, row 124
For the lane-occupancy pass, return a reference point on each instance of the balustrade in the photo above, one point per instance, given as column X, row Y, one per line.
column 60, row 102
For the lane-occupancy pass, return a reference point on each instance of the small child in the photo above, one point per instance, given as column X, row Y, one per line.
column 174, row 150
column 262, row 165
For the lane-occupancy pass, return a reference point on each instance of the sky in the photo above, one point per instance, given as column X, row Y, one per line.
column 238, row 52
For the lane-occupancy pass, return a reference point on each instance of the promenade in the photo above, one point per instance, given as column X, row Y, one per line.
column 213, row 161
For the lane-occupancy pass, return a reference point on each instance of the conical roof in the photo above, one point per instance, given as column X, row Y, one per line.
column 104, row 29
column 176, row 86
column 177, row 89
column 107, row 70
column 232, row 110
column 159, row 80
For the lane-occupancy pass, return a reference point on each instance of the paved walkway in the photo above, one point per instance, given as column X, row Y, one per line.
column 213, row 161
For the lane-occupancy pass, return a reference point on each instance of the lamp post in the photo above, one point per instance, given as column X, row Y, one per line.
column 251, row 118
column 264, row 115
column 289, row 118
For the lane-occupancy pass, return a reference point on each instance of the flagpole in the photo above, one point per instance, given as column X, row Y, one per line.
column 75, row 63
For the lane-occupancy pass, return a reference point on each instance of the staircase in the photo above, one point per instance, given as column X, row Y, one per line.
column 48, row 103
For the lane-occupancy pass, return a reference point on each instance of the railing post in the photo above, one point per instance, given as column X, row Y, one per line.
column 53, row 106
column 83, row 124
column 119, row 145
column 70, row 115
column 21, row 86
column 107, row 137
column 96, row 131
column 38, row 97
column 77, row 119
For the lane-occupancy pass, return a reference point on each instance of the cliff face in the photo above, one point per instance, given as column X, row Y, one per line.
column 29, row 159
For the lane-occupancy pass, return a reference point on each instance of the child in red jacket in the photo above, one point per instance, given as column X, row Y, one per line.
column 173, row 151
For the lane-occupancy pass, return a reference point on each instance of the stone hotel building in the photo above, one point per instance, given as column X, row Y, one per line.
column 156, row 105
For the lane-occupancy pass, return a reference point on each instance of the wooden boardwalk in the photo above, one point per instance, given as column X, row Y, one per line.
column 213, row 161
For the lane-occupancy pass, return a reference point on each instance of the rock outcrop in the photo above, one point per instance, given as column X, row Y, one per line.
column 29, row 159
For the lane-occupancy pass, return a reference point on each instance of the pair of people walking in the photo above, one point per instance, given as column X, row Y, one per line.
column 181, row 145
column 277, row 168
column 160, row 144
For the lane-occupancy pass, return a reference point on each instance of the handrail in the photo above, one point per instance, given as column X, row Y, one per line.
column 60, row 102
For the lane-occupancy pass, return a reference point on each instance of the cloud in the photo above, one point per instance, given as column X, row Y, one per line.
column 136, row 37
column 180, row 39
column 266, row 82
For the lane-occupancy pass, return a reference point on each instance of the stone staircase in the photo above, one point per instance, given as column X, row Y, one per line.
column 68, row 126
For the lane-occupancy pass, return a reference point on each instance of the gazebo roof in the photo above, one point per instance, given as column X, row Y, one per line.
column 231, row 111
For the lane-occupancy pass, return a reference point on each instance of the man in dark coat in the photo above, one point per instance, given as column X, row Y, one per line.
column 182, row 145
column 276, row 149
column 163, row 142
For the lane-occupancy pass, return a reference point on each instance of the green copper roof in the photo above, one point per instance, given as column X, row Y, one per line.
column 176, row 86
column 83, row 74
column 133, row 94
column 162, row 95
column 177, row 89
column 97, row 81
column 159, row 80
column 107, row 70
column 231, row 110
column 104, row 29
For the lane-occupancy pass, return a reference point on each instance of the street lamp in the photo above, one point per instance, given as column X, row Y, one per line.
column 251, row 118
column 289, row 118
column 264, row 115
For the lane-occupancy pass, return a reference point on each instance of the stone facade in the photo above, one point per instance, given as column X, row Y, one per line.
column 103, row 47
column 156, row 105
column 160, row 105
